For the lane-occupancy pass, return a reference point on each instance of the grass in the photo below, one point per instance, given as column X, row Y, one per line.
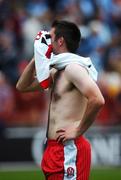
column 21, row 175
column 106, row 174
column 96, row 174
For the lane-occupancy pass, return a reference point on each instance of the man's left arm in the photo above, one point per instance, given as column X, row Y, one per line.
column 79, row 76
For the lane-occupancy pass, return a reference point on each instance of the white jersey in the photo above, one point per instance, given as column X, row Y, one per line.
column 44, row 59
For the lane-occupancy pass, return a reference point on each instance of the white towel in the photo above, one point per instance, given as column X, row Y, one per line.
column 43, row 64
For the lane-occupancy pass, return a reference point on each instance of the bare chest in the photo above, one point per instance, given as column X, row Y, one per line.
column 61, row 86
column 67, row 104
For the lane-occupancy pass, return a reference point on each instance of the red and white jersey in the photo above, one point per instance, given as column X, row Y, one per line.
column 42, row 54
column 44, row 58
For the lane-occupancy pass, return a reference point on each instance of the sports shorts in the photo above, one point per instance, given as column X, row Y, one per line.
column 68, row 161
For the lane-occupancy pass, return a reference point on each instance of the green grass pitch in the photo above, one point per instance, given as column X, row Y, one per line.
column 96, row 174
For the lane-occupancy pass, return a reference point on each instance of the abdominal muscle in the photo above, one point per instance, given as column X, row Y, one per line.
column 66, row 111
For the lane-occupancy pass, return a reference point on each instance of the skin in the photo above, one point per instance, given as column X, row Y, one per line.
column 75, row 97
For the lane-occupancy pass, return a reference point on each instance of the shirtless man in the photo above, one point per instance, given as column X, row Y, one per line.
column 75, row 102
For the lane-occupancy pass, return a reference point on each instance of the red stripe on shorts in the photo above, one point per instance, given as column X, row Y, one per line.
column 83, row 158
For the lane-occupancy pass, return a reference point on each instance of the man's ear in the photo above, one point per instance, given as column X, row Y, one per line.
column 60, row 41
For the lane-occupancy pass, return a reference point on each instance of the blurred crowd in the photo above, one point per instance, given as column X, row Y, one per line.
column 100, row 25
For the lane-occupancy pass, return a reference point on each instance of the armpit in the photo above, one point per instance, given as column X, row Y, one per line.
column 52, row 73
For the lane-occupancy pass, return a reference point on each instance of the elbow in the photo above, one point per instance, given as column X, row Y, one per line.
column 19, row 88
column 97, row 101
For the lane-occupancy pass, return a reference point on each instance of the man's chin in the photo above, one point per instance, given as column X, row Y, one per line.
column 55, row 53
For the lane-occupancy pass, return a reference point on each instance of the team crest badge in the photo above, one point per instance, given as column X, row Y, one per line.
column 70, row 172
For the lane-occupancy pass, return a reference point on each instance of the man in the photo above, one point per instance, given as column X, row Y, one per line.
column 75, row 102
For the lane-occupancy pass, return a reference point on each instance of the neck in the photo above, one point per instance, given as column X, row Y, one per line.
column 62, row 50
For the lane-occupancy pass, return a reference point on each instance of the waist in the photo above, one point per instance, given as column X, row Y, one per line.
column 60, row 124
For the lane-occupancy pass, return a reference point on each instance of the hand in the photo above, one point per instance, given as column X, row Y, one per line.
column 68, row 133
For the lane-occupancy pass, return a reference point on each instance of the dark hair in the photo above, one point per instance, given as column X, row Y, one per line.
column 70, row 32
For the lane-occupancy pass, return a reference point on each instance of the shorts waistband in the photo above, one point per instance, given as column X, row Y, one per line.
column 54, row 142
column 80, row 139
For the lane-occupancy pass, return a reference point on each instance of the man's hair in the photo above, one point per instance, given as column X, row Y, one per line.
column 70, row 32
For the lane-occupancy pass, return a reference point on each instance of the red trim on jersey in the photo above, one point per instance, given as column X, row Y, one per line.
column 46, row 83
column 38, row 35
column 48, row 53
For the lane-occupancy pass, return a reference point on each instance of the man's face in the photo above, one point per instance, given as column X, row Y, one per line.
column 54, row 42
column 52, row 33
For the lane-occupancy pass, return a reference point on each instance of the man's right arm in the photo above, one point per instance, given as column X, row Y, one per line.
column 27, row 81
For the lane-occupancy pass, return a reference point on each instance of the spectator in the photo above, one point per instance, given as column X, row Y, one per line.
column 8, row 57
column 7, row 102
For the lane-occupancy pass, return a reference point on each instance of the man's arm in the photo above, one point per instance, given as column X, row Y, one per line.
column 79, row 76
column 90, row 90
column 27, row 81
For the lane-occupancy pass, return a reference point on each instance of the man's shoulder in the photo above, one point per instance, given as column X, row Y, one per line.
column 74, row 68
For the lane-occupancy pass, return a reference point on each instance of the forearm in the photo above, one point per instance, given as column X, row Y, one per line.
column 27, row 80
column 91, row 112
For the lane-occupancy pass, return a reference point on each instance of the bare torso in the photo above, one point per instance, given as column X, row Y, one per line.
column 67, row 104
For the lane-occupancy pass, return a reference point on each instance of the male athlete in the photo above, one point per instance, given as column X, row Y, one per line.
column 74, row 104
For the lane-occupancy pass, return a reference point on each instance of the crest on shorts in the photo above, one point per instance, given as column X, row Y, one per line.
column 70, row 171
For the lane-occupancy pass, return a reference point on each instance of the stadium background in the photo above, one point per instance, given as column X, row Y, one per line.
column 23, row 117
